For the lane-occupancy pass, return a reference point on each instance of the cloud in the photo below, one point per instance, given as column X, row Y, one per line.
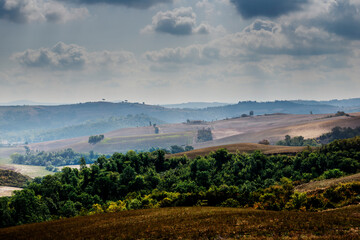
column 71, row 57
column 261, row 40
column 267, row 8
column 141, row 4
column 26, row 11
column 180, row 21
column 343, row 19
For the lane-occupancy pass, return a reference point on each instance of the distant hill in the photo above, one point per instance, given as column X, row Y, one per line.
column 344, row 103
column 196, row 105
column 238, row 130
column 87, row 128
column 21, row 121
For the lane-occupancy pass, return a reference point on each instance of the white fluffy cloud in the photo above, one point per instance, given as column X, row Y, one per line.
column 72, row 57
column 180, row 21
column 26, row 11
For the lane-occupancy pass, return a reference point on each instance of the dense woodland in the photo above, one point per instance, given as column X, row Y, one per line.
column 147, row 180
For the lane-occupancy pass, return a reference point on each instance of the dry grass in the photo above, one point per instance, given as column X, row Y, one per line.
column 6, row 191
column 243, row 147
column 197, row 223
column 28, row 170
column 323, row 184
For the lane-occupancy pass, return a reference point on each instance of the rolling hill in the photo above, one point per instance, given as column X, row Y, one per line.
column 19, row 121
column 225, row 132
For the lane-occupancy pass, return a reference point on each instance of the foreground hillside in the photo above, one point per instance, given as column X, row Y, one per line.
column 197, row 223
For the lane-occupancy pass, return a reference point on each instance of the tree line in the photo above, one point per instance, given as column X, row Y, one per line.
column 60, row 158
column 146, row 180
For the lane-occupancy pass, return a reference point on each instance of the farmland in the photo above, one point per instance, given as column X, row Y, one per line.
column 197, row 223
column 225, row 132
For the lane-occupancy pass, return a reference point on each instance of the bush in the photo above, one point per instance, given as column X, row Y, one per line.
column 333, row 173
column 230, row 202
column 95, row 139
column 264, row 142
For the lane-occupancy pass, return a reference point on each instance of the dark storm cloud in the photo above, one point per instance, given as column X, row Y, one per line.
column 12, row 14
column 267, row 8
column 343, row 19
column 142, row 4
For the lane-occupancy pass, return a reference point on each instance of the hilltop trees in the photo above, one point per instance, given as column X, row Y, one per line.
column 204, row 135
column 95, row 139
column 297, row 141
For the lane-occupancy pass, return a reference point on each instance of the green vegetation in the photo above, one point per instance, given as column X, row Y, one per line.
column 50, row 159
column 339, row 133
column 96, row 139
column 149, row 180
column 297, row 141
column 264, row 142
column 178, row 149
column 12, row 179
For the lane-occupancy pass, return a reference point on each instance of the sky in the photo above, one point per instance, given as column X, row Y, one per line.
column 173, row 51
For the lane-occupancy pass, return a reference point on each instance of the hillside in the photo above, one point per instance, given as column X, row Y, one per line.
column 12, row 179
column 17, row 121
column 243, row 147
column 225, row 132
column 197, row 223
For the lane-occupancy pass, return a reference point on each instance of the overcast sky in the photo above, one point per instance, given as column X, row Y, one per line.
column 172, row 51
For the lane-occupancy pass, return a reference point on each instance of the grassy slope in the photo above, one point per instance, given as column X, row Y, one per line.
column 12, row 179
column 243, row 147
column 318, row 185
column 197, row 223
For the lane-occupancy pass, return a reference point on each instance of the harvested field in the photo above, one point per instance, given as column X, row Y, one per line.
column 243, row 147
column 6, row 191
column 28, row 170
column 197, row 223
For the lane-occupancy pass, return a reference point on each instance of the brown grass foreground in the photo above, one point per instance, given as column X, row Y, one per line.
column 244, row 148
column 197, row 223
